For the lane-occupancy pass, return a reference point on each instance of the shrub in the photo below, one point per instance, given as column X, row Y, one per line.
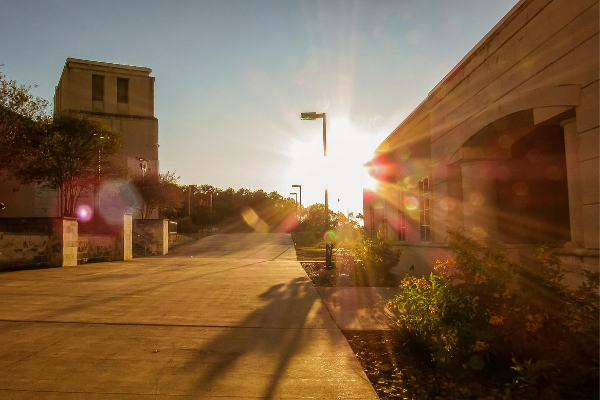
column 480, row 312
column 376, row 258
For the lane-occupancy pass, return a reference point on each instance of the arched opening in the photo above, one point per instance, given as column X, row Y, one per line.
column 533, row 201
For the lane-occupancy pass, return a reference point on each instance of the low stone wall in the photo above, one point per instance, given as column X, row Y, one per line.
column 20, row 249
column 96, row 247
column 177, row 239
column 57, row 242
column 150, row 237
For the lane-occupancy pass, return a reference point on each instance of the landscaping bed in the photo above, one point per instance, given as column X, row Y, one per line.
column 396, row 374
column 479, row 327
column 391, row 368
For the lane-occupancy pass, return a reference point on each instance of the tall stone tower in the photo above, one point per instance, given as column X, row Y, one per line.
column 119, row 96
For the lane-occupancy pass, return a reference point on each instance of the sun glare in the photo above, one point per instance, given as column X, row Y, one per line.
column 342, row 172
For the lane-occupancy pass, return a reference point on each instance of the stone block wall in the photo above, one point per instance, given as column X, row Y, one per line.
column 57, row 242
column 18, row 249
column 93, row 247
column 177, row 239
column 151, row 236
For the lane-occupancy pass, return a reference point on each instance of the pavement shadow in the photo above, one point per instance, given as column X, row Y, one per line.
column 274, row 330
column 26, row 267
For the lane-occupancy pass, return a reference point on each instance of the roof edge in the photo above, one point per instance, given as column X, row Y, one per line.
column 107, row 64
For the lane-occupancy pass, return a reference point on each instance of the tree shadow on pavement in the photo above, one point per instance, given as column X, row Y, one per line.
column 277, row 330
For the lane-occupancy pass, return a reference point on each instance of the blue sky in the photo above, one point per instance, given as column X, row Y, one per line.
column 233, row 76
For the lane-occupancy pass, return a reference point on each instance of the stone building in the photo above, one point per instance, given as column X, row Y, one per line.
column 506, row 145
column 121, row 97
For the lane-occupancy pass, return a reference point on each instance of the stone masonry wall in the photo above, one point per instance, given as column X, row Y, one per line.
column 17, row 249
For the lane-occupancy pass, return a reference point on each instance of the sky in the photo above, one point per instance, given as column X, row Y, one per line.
column 233, row 76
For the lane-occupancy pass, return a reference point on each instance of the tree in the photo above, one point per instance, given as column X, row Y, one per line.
column 21, row 116
column 69, row 153
column 158, row 192
column 313, row 220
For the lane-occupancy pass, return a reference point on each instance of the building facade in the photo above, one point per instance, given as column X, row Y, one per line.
column 121, row 97
column 505, row 146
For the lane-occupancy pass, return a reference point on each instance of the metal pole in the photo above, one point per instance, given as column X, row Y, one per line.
column 328, row 246
column 189, row 208
column 324, row 135
column 211, row 212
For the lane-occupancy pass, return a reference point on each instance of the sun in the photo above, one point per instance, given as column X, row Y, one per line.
column 342, row 171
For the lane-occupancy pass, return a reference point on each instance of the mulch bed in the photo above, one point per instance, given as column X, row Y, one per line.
column 319, row 275
column 396, row 374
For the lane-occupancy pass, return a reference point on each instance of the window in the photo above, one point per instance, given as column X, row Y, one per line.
column 122, row 90
column 97, row 87
column 424, row 209
column 401, row 218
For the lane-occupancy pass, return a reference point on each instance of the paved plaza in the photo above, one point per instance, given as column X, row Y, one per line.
column 229, row 317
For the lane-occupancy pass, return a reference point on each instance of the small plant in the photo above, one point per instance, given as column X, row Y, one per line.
column 376, row 258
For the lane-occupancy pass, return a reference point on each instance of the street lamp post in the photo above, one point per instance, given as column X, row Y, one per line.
column 311, row 116
column 296, row 196
column 143, row 167
column 300, row 188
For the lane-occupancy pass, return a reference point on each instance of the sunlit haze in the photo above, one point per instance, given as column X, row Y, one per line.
column 232, row 77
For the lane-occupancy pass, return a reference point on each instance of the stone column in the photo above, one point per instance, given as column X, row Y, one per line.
column 125, row 240
column 573, row 182
column 165, row 236
column 480, row 208
column 64, row 242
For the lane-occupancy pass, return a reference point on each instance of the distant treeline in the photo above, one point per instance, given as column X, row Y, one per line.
column 243, row 210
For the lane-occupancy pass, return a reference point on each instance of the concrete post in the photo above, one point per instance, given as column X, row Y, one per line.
column 65, row 235
column 125, row 240
column 573, row 182
column 480, row 198
column 165, row 236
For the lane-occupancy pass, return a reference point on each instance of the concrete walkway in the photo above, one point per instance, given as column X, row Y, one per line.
column 230, row 316
column 359, row 308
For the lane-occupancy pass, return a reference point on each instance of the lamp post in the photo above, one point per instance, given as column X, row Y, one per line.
column 311, row 116
column 97, row 188
column 300, row 188
column 143, row 167
column 189, row 208
column 296, row 195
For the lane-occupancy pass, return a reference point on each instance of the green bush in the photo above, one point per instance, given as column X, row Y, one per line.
column 375, row 260
column 481, row 313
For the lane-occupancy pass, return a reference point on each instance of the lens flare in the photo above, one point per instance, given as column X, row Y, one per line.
column 476, row 199
column 330, row 236
column 404, row 154
column 411, row 203
column 116, row 198
column 84, row 212
column 447, row 203
column 254, row 221
column 521, row 189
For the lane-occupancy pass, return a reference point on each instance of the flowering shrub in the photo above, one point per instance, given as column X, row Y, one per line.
column 481, row 313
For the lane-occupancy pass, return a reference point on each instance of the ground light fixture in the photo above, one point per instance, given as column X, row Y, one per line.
column 311, row 116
